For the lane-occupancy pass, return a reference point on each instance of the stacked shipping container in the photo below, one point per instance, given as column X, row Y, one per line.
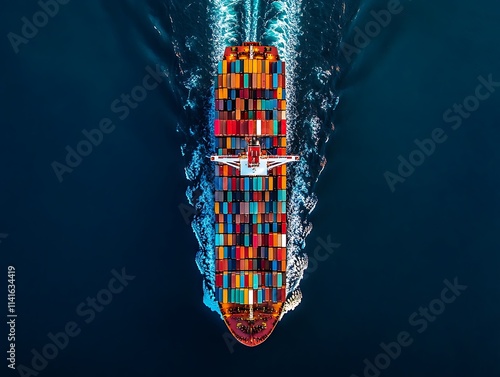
column 250, row 212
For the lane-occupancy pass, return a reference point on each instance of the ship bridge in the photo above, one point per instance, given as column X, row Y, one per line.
column 254, row 161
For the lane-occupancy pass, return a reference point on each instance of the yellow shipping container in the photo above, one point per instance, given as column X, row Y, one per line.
column 255, row 67
column 271, row 253
column 217, row 208
column 224, row 67
column 246, row 296
column 280, row 93
column 283, row 182
column 224, row 295
column 238, row 283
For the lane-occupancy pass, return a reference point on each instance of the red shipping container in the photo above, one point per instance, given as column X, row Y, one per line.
column 216, row 127
column 218, row 280
column 251, row 127
column 283, row 127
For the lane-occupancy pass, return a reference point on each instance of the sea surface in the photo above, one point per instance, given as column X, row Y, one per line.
column 105, row 187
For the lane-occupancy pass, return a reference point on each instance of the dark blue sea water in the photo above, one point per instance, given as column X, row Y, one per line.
column 394, row 204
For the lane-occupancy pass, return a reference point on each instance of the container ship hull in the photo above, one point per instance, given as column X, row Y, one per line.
column 250, row 190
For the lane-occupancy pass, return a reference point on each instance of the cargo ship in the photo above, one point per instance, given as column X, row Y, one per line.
column 250, row 190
